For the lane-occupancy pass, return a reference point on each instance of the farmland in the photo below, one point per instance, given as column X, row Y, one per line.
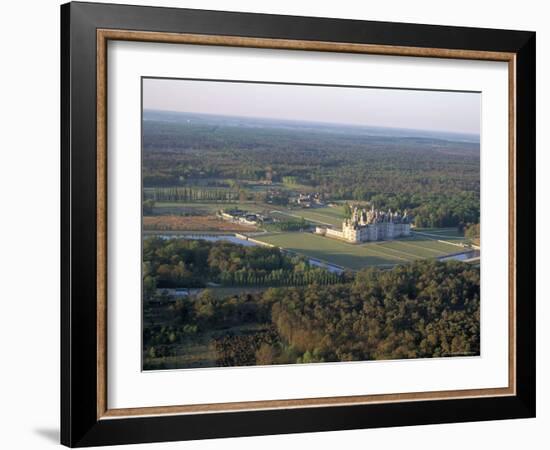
column 193, row 223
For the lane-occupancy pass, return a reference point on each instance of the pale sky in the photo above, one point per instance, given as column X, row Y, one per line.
column 457, row 112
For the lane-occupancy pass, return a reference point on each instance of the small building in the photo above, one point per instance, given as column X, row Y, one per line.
column 231, row 214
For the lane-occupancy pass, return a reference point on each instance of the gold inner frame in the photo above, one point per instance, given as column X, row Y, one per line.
column 104, row 35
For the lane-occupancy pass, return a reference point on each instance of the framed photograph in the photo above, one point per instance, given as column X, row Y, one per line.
column 277, row 224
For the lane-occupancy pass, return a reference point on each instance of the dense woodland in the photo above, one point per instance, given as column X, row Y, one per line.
column 421, row 310
column 435, row 177
column 177, row 263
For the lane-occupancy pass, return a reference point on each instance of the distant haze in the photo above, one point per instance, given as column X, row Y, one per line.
column 457, row 112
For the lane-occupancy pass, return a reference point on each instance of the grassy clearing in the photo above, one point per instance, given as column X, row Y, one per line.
column 335, row 252
column 422, row 247
column 445, row 247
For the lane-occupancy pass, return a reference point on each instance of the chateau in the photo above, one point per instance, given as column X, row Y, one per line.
column 373, row 225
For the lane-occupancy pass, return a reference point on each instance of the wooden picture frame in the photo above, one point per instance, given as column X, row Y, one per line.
column 86, row 418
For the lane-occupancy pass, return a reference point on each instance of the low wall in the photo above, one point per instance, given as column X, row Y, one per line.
column 255, row 241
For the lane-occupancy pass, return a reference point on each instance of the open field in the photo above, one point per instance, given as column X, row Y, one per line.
column 452, row 231
column 359, row 256
column 192, row 223
column 205, row 208
column 444, row 234
column 321, row 216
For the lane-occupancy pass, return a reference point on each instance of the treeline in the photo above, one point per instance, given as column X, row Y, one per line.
column 472, row 231
column 189, row 194
column 290, row 180
column 433, row 211
column 279, row 277
column 194, row 263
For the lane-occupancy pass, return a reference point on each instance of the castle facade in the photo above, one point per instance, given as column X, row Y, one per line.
column 370, row 225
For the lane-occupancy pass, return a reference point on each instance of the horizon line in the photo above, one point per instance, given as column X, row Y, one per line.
column 353, row 125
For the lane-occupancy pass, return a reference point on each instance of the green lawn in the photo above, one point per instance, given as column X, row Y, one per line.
column 355, row 256
column 326, row 215
column 444, row 234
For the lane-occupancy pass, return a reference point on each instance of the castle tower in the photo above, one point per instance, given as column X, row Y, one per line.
column 372, row 224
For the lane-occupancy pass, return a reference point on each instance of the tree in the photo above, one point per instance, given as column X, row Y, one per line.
column 265, row 355
column 472, row 231
column 347, row 210
column 148, row 206
column 149, row 286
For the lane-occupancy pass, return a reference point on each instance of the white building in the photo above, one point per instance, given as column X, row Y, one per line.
column 373, row 225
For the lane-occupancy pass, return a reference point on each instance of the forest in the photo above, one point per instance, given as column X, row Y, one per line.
column 420, row 310
column 173, row 263
column 434, row 176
